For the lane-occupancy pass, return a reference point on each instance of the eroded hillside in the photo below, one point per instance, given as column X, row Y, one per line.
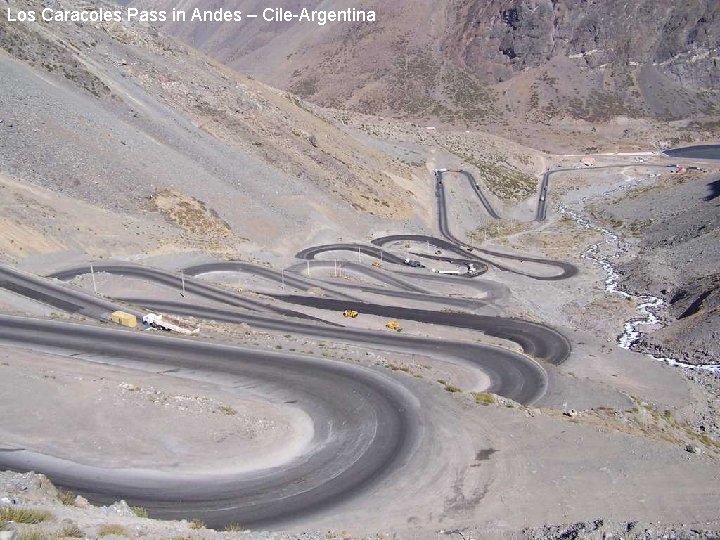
column 488, row 62
column 113, row 114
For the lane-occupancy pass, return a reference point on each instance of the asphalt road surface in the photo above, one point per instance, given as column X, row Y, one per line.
column 701, row 151
column 291, row 279
column 468, row 256
column 567, row 269
column 66, row 299
column 538, row 341
column 365, row 426
column 476, row 188
column 541, row 213
column 360, row 451
column 379, row 275
column 175, row 281
column 349, row 451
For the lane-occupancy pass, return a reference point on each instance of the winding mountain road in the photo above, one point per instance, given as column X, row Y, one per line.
column 475, row 187
column 366, row 423
column 347, row 455
column 541, row 213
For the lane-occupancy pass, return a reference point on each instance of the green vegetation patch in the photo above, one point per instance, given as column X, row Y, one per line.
column 483, row 398
column 112, row 530
column 24, row 515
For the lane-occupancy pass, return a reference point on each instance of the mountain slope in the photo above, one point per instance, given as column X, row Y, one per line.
column 675, row 228
column 117, row 115
column 484, row 61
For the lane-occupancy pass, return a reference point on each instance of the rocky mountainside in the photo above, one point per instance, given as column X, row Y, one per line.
column 675, row 226
column 485, row 61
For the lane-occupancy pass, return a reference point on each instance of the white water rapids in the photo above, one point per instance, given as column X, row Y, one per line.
column 648, row 306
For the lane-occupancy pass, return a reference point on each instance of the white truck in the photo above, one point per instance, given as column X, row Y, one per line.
column 171, row 324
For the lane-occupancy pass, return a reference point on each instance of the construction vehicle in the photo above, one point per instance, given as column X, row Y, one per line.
column 171, row 324
column 393, row 325
column 125, row 319
column 376, row 264
column 350, row 313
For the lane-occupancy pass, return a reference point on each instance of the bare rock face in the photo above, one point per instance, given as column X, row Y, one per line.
column 482, row 60
column 530, row 33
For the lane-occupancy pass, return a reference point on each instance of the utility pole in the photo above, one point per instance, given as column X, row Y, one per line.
column 308, row 268
column 359, row 259
column 92, row 273
column 282, row 279
column 182, row 279
column 335, row 272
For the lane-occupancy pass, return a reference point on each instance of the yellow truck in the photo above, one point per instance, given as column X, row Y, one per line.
column 124, row 319
column 350, row 313
column 393, row 325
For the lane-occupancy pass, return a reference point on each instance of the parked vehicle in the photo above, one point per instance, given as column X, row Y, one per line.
column 393, row 325
column 124, row 319
column 171, row 324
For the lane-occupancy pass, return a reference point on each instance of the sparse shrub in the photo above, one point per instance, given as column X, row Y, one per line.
column 483, row 398
column 709, row 441
column 71, row 531
column 139, row 511
column 112, row 529
column 395, row 367
column 233, row 527
column 32, row 534
column 24, row 515
column 197, row 524
column 225, row 409
column 66, row 497
column 452, row 389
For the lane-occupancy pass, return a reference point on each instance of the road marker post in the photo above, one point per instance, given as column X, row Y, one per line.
column 308, row 268
column 92, row 273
